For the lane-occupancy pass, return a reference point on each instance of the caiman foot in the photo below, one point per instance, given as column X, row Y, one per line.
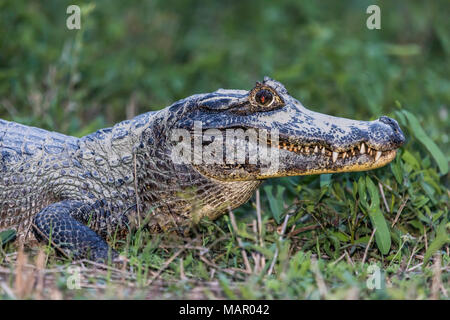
column 58, row 226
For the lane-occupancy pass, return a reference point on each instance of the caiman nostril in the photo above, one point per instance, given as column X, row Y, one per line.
column 398, row 138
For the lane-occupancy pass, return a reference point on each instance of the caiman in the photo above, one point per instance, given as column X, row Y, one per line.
column 75, row 193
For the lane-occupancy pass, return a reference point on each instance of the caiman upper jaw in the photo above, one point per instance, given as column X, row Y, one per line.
column 376, row 143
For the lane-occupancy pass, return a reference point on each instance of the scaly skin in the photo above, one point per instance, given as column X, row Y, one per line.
column 75, row 192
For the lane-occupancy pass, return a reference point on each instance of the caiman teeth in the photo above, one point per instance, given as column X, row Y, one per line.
column 378, row 155
column 335, row 156
column 363, row 148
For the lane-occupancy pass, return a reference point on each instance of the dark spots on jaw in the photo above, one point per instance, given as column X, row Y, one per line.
column 356, row 133
column 335, row 129
column 378, row 135
column 328, row 137
column 315, row 132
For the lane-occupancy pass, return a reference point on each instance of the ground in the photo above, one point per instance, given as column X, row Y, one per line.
column 381, row 234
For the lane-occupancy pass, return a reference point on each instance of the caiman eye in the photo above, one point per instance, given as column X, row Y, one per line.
column 264, row 97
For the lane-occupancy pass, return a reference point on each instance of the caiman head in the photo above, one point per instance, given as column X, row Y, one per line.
column 207, row 153
column 289, row 139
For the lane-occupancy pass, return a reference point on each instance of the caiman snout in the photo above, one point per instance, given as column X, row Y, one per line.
column 397, row 136
column 386, row 134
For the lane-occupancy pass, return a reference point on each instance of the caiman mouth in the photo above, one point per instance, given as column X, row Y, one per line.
column 359, row 157
column 298, row 158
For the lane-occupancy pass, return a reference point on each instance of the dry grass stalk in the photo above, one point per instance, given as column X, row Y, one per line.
column 437, row 281
column 380, row 186
column 319, row 279
column 164, row 267
column 349, row 259
column 412, row 253
column 368, row 246
column 399, row 212
column 243, row 252
column 182, row 274
column 283, row 230
column 24, row 279
column 339, row 259
column 262, row 258
column 40, row 267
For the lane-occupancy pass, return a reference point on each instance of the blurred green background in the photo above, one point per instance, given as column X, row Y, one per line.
column 133, row 56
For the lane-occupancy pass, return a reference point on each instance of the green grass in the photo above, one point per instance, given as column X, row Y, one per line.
column 131, row 57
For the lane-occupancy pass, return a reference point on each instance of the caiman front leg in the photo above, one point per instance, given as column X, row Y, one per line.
column 63, row 225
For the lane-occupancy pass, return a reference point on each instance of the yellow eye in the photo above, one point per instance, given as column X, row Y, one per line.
column 264, row 97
